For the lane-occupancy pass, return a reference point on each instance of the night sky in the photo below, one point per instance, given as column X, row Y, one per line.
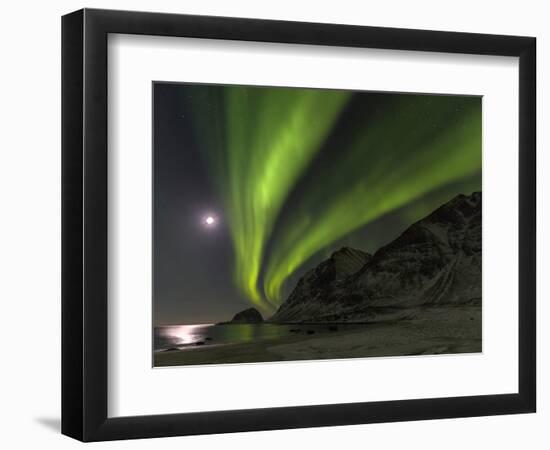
column 253, row 186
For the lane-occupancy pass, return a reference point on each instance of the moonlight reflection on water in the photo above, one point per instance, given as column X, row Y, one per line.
column 188, row 336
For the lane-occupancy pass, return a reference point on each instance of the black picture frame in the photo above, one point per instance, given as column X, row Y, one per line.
column 84, row 224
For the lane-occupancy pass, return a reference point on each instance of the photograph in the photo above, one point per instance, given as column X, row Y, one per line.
column 296, row 223
column 269, row 226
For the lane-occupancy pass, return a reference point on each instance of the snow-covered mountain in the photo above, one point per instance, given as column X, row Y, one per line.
column 435, row 262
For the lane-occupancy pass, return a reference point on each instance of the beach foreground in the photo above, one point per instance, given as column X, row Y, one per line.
column 422, row 331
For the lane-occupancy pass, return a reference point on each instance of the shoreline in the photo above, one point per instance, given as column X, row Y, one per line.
column 434, row 330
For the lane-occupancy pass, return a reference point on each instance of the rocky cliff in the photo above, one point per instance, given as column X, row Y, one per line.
column 250, row 315
column 436, row 261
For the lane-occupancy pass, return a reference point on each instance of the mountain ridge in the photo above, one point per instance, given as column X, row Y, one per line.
column 435, row 262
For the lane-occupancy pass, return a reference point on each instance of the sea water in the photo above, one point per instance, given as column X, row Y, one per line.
column 189, row 336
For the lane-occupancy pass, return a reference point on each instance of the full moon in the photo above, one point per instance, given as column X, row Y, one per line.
column 209, row 220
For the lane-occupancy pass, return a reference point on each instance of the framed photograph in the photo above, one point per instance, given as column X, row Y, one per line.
column 273, row 224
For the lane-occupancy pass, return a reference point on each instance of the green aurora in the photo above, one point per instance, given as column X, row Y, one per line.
column 418, row 145
column 266, row 148
column 261, row 145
